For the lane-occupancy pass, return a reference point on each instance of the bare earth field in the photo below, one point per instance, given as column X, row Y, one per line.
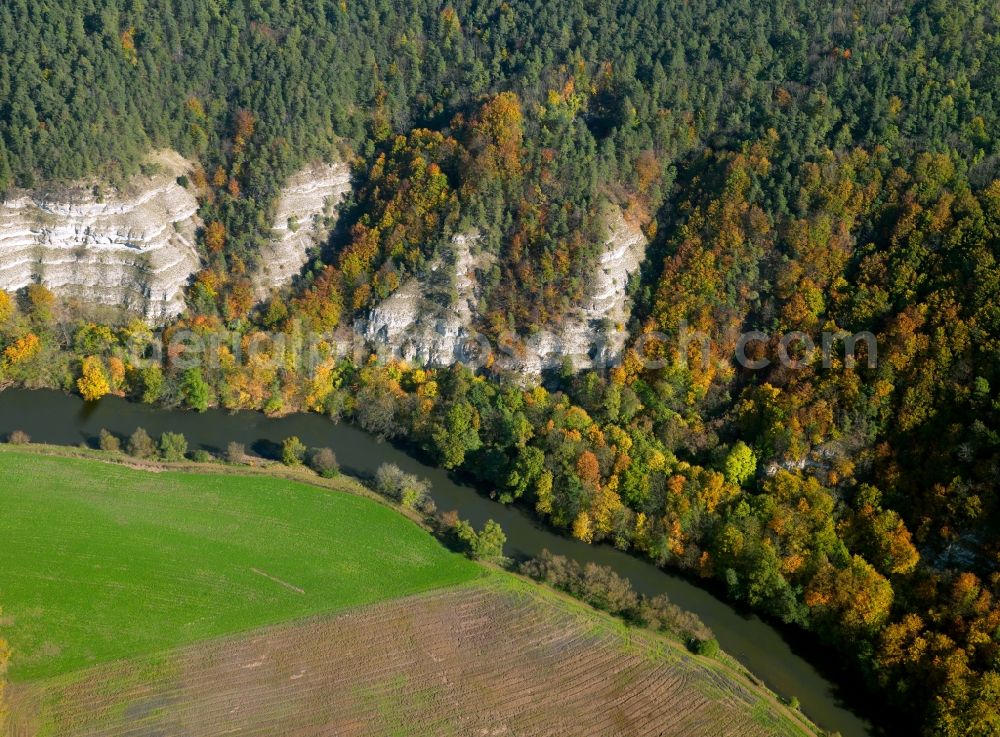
column 489, row 658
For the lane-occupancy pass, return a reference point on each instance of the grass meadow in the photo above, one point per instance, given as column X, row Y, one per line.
column 101, row 562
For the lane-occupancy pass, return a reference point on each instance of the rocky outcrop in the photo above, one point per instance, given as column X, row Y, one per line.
column 432, row 319
column 594, row 334
column 133, row 247
column 307, row 201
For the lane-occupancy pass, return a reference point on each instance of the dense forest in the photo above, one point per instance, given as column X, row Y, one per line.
column 797, row 166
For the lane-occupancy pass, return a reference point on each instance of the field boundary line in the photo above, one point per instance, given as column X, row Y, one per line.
column 277, row 580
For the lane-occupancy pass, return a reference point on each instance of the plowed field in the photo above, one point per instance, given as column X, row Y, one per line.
column 494, row 657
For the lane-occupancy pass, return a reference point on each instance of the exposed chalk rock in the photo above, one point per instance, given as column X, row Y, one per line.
column 593, row 335
column 310, row 195
column 431, row 319
column 133, row 248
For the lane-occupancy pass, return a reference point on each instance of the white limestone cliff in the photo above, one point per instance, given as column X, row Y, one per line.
column 133, row 247
column 431, row 319
column 307, row 199
column 594, row 334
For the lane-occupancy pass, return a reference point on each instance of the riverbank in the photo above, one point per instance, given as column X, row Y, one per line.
column 72, row 471
column 64, row 419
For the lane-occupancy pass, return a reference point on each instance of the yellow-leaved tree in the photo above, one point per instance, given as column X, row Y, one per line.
column 215, row 236
column 582, row 528
column 6, row 306
column 93, row 383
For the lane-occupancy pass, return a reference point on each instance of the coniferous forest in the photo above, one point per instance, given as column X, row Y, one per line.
column 798, row 166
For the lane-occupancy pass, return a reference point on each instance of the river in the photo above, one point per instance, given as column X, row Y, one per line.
column 57, row 418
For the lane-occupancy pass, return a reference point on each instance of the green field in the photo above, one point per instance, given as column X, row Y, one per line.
column 101, row 562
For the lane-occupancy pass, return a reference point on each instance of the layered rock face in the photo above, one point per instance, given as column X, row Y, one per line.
column 593, row 335
column 133, row 248
column 431, row 319
column 309, row 196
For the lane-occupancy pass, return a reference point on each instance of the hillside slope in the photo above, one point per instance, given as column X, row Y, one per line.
column 490, row 658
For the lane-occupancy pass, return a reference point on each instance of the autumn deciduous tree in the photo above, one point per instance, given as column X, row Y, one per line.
column 498, row 134
column 881, row 534
column 856, row 596
column 7, row 306
column 239, row 300
column 322, row 304
column 93, row 383
column 22, row 349
column 245, row 125
column 40, row 302
column 215, row 236
column 127, row 39
column 588, row 469
column 582, row 527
